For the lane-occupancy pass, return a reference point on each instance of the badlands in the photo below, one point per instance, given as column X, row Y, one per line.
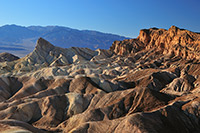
column 149, row 84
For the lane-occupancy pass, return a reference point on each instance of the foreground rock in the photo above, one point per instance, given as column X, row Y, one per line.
column 147, row 84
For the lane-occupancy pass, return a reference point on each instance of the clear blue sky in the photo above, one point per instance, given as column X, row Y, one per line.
column 123, row 17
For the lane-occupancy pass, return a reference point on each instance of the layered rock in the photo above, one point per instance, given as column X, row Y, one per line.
column 139, row 85
column 174, row 41
column 7, row 57
column 47, row 55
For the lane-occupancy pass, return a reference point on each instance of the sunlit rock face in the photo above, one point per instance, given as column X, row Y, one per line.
column 174, row 41
column 147, row 84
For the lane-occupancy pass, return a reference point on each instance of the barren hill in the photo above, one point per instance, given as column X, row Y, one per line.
column 147, row 84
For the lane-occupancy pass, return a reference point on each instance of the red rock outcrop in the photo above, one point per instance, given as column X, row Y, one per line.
column 174, row 41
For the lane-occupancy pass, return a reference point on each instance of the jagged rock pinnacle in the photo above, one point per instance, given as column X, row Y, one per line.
column 174, row 28
column 43, row 44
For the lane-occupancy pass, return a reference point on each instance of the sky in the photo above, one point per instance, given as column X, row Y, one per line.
column 122, row 17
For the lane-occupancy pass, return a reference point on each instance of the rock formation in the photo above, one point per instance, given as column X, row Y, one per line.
column 7, row 57
column 175, row 41
column 147, row 84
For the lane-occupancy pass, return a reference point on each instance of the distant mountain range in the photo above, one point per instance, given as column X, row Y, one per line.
column 20, row 40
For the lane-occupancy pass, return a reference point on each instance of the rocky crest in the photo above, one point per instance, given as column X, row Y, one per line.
column 147, row 84
column 20, row 40
column 7, row 57
column 174, row 42
column 45, row 55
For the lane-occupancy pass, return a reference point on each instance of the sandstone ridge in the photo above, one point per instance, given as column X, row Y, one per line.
column 174, row 41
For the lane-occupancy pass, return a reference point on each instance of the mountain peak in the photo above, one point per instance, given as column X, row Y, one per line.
column 43, row 44
column 16, row 36
column 174, row 28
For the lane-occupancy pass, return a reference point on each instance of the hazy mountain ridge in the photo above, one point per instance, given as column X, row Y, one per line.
column 20, row 40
